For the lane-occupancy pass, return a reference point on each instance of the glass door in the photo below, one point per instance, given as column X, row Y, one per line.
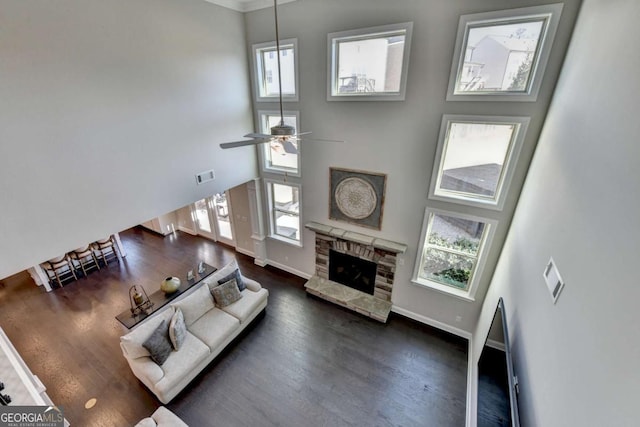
column 203, row 218
column 223, row 218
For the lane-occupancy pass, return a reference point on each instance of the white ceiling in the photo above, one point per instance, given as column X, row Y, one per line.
column 247, row 5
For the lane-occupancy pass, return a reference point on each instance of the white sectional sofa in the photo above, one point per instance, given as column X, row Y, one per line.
column 162, row 417
column 209, row 330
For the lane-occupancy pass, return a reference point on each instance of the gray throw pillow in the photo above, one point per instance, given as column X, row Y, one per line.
column 234, row 275
column 159, row 344
column 227, row 293
column 177, row 329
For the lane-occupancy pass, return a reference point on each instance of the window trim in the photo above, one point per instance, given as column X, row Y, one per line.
column 271, row 209
column 264, row 147
column 508, row 168
column 365, row 33
column 257, row 70
column 550, row 12
column 483, row 250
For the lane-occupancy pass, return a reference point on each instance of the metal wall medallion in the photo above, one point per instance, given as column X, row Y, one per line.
column 357, row 197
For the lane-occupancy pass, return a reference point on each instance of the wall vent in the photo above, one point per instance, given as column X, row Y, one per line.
column 553, row 279
column 206, row 176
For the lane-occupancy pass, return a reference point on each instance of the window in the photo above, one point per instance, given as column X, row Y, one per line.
column 475, row 159
column 369, row 64
column 502, row 55
column 452, row 249
column 266, row 70
column 280, row 157
column 284, row 211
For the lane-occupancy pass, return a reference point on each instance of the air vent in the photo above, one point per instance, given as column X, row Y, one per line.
column 206, row 176
column 553, row 279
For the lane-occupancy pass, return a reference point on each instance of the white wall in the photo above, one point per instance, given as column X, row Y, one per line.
column 239, row 200
column 107, row 111
column 577, row 359
column 396, row 138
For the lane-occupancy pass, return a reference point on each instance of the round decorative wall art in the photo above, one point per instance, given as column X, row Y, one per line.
column 355, row 197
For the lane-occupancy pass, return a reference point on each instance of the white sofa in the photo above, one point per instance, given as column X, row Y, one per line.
column 209, row 330
column 162, row 417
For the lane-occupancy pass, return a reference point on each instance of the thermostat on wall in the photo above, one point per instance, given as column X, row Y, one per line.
column 553, row 279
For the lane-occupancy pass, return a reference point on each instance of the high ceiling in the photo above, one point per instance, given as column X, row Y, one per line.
column 247, row 5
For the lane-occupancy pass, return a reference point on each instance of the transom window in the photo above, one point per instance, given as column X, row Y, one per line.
column 284, row 211
column 452, row 249
column 475, row 159
column 370, row 63
column 502, row 55
column 266, row 70
column 280, row 157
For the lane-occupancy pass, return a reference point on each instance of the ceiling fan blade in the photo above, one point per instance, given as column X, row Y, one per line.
column 288, row 147
column 302, row 133
column 226, row 145
column 258, row 135
column 320, row 140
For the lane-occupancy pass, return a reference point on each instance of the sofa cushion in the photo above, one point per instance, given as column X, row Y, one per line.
column 180, row 363
column 146, row 422
column 195, row 305
column 165, row 417
column 177, row 329
column 159, row 344
column 212, row 280
column 235, row 274
column 214, row 327
column 132, row 342
column 247, row 305
column 227, row 293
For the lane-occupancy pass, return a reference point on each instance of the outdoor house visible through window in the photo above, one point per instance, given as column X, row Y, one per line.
column 370, row 63
column 266, row 70
column 284, row 211
column 452, row 248
column 503, row 53
column 280, row 157
column 475, row 159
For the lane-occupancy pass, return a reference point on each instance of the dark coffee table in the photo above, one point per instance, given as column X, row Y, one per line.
column 160, row 299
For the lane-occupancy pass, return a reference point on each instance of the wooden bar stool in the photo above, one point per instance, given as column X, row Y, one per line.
column 60, row 267
column 107, row 248
column 85, row 257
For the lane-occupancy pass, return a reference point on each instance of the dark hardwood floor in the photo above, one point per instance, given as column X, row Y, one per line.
column 305, row 363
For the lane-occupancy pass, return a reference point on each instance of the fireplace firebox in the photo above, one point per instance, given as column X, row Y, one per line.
column 357, row 273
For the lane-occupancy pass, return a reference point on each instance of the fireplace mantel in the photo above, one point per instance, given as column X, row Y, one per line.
column 363, row 239
column 382, row 252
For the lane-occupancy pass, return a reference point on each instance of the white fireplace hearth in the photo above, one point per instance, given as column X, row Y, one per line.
column 382, row 252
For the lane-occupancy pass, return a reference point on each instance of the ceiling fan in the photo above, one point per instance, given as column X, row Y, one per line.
column 283, row 137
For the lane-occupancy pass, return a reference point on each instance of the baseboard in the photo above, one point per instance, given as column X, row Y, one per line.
column 245, row 252
column 187, row 230
column 288, row 269
column 260, row 262
column 431, row 322
column 472, row 388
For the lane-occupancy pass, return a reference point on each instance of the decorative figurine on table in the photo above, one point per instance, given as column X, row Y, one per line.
column 190, row 275
column 139, row 300
column 201, row 267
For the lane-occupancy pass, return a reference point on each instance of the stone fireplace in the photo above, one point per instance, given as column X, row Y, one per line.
column 354, row 270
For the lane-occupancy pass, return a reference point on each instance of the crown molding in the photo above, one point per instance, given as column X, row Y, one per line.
column 247, row 5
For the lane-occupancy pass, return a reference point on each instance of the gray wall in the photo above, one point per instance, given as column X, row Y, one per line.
column 396, row 138
column 577, row 359
column 107, row 110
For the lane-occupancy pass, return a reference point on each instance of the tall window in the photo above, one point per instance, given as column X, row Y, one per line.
column 266, row 70
column 370, row 63
column 475, row 159
column 284, row 211
column 280, row 157
column 502, row 55
column 451, row 251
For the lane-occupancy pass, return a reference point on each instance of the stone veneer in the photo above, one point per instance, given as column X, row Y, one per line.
column 382, row 252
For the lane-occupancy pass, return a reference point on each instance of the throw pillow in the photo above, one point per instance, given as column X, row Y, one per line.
column 159, row 344
column 234, row 275
column 177, row 329
column 226, row 294
column 195, row 305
